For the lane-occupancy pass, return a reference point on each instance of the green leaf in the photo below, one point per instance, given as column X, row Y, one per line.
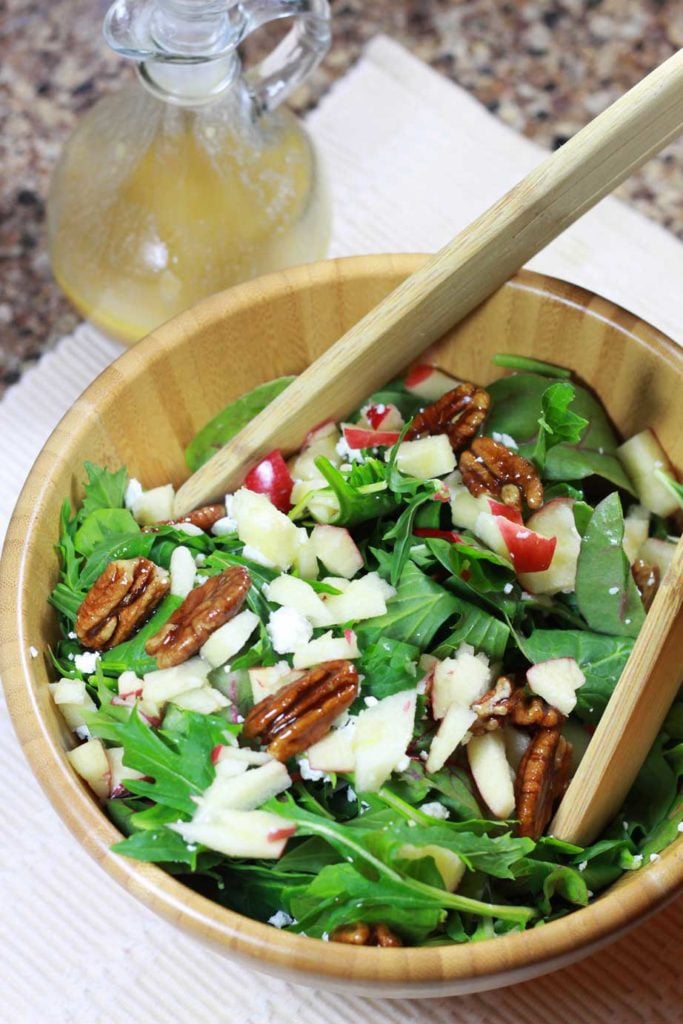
column 602, row 660
column 402, row 534
column 117, row 545
column 130, row 655
column 605, row 591
column 363, row 492
column 230, row 421
column 414, row 615
column 557, row 423
column 100, row 526
column 476, row 627
column 672, row 485
column 104, row 489
column 157, row 846
column 388, row 666
column 654, row 791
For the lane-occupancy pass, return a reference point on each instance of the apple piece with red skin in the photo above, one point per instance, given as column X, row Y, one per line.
column 528, row 551
column 466, row 509
column 240, row 833
column 337, row 550
column 323, row 440
column 382, row 417
column 428, row 382
column 636, row 530
column 359, row 437
column 427, row 531
column 119, row 774
column 554, row 520
column 271, row 477
column 459, row 680
column 319, row 432
column 241, row 791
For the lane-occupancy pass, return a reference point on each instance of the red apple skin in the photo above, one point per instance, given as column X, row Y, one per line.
column 321, row 429
column 359, row 437
column 499, row 509
column 529, row 551
column 272, row 478
column 426, row 531
column 417, row 374
column 276, row 835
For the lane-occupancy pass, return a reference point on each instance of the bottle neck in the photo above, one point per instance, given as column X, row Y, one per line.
column 190, row 85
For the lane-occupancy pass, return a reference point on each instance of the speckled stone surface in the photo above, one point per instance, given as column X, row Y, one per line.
column 545, row 67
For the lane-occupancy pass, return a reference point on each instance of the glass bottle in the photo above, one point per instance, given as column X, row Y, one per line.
column 200, row 179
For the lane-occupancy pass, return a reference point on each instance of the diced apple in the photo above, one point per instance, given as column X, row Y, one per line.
column 154, row 506
column 240, row 833
column 239, row 755
column 72, row 699
column 338, row 582
column 528, row 551
column 459, row 680
column 305, row 561
column 361, row 437
column 129, row 684
column 465, row 508
column 205, row 701
column 382, row 735
column 659, row 553
column 242, row 792
column 382, row 417
column 492, row 773
column 448, row 864
column 428, row 382
column 556, row 519
column 336, row 549
column 183, row 571
column 557, row 681
column 91, row 763
column 456, row 724
column 229, row 638
column 641, row 456
column 268, row 680
column 327, row 648
column 297, row 594
column 334, row 752
column 166, row 683
column 426, row 458
column 303, row 467
column 119, row 774
column 271, row 477
column 364, row 598
column 262, row 526
column 516, row 743
column 636, row 529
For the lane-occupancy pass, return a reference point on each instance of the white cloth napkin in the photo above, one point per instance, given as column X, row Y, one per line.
column 411, row 159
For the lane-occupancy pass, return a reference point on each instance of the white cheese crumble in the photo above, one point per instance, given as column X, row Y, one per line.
column 505, row 439
column 288, row 629
column 637, row 860
column 86, row 662
column 508, row 588
column 370, row 701
column 403, row 764
column 134, row 490
column 679, row 827
column 350, row 794
column 349, row 454
column 311, row 774
column 613, row 590
column 654, row 857
column 281, row 919
column 435, row 810
column 224, row 526
column 583, row 865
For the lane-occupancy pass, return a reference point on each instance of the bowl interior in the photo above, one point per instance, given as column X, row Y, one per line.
column 142, row 412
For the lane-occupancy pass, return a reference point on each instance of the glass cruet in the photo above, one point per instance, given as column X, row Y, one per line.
column 199, row 180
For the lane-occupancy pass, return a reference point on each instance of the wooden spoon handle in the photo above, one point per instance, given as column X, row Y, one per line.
column 632, row 718
column 458, row 278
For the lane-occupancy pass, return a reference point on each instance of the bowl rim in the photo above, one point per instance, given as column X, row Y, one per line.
column 421, row 970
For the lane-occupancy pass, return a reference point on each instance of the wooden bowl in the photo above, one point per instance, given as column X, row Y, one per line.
column 143, row 410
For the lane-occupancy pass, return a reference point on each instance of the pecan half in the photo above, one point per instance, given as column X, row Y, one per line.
column 507, row 701
column 488, row 467
column 362, row 934
column 204, row 609
column 647, row 579
column 204, row 517
column 542, row 778
column 119, row 601
column 459, row 413
column 302, row 712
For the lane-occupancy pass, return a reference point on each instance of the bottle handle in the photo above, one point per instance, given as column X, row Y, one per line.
column 296, row 56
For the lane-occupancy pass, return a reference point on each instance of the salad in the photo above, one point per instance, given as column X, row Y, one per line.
column 347, row 699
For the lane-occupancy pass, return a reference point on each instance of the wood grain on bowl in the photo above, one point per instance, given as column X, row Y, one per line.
column 143, row 410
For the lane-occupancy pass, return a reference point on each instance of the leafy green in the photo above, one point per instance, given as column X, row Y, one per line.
column 415, row 614
column 157, row 846
column 104, row 489
column 130, row 655
column 363, row 493
column 100, row 526
column 388, row 666
column 605, row 590
column 513, row 362
column 231, row 420
column 557, row 423
column 476, row 627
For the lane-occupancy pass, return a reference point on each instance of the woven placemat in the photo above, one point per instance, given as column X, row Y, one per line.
column 411, row 159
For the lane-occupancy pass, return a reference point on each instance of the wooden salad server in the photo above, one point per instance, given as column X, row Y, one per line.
column 432, row 300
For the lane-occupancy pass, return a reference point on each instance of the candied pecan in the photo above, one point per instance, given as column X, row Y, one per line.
column 507, row 701
column 203, row 517
column 204, row 609
column 542, row 778
column 362, row 934
column 459, row 413
column 302, row 712
column 488, row 467
column 647, row 579
column 119, row 601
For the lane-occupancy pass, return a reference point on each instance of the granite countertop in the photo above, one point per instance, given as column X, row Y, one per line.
column 545, row 67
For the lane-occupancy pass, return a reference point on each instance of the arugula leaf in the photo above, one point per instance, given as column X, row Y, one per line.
column 388, row 666
column 516, row 409
column 513, row 362
column 130, row 655
column 606, row 593
column 402, row 533
column 653, row 792
column 179, row 764
column 157, row 846
column 116, row 545
column 414, row 615
column 230, row 421
column 97, row 528
column 478, row 628
column 363, row 493
column 557, row 423
column 103, row 489
column 602, row 660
